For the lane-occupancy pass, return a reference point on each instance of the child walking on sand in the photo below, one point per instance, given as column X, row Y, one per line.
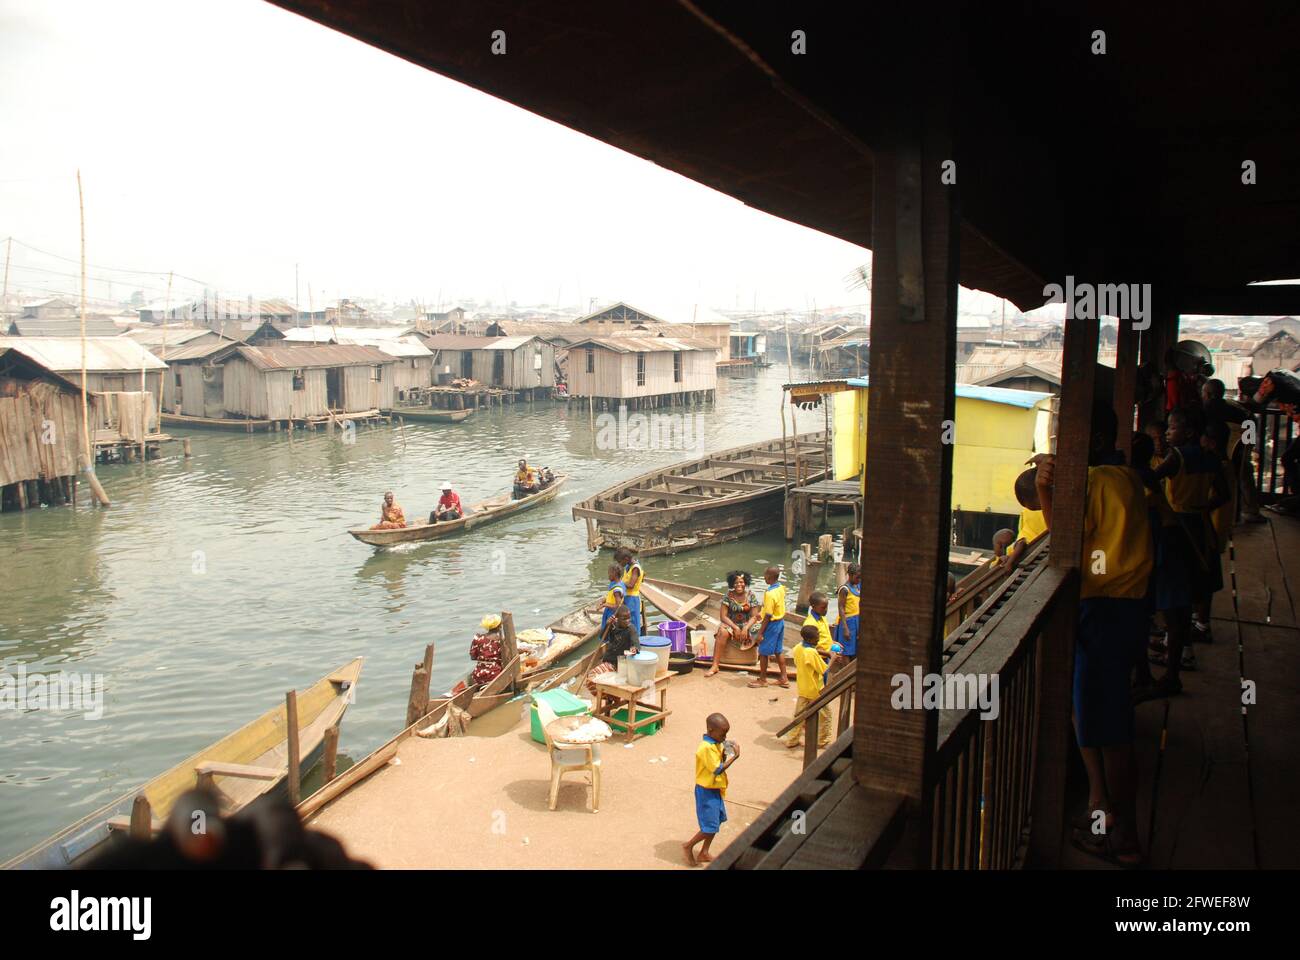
column 810, row 672
column 712, row 758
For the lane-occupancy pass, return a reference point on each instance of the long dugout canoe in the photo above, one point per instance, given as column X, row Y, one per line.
column 723, row 496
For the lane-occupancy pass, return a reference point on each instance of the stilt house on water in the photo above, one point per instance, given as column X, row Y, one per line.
column 40, row 433
column 642, row 371
column 300, row 382
column 412, row 360
column 521, row 363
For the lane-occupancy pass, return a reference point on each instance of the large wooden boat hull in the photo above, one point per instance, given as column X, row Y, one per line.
column 262, row 743
column 724, row 496
column 430, row 415
column 215, row 423
column 480, row 513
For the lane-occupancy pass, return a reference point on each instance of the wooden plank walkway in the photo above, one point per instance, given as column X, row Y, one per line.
column 1226, row 787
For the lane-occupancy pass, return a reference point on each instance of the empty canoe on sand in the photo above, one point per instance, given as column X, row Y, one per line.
column 499, row 506
column 255, row 758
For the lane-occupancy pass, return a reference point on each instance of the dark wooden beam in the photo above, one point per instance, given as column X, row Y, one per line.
column 908, row 467
column 1056, row 662
column 1126, row 363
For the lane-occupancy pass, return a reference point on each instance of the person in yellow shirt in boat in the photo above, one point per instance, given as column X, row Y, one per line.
column 391, row 516
column 712, row 758
column 810, row 678
column 525, row 480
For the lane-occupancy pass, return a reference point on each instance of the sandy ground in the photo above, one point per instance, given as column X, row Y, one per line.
column 481, row 801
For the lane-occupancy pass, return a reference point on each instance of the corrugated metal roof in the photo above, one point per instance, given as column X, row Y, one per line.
column 1027, row 399
column 195, row 350
column 299, row 356
column 643, row 344
column 455, row 341
column 64, row 327
column 103, row 354
column 154, row 336
column 323, row 332
column 507, row 343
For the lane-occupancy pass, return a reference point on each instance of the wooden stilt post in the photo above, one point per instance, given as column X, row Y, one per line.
column 913, row 354
column 331, row 758
column 185, row 444
column 141, row 827
column 291, row 741
column 417, row 705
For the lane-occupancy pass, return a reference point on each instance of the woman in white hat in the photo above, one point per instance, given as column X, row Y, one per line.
column 448, row 507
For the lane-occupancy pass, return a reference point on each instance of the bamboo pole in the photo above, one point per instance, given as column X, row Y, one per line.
column 167, row 308
column 291, row 741
column 4, row 297
column 85, row 404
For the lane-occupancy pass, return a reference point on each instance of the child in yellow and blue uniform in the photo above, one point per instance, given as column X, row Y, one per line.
column 615, row 592
column 632, row 577
column 772, row 630
column 846, row 622
column 1115, row 564
column 810, row 677
column 712, row 758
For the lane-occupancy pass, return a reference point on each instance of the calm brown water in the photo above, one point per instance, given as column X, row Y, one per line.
column 213, row 585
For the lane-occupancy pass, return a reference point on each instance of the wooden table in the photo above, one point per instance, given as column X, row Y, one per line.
column 611, row 696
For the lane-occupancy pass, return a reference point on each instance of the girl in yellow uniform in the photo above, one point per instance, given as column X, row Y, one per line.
column 632, row 577
column 846, row 623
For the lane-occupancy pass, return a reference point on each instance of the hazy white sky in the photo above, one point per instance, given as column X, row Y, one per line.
column 230, row 140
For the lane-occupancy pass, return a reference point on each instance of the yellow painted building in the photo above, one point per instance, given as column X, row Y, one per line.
column 994, row 433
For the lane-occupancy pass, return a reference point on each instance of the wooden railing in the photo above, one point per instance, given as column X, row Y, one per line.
column 1275, row 432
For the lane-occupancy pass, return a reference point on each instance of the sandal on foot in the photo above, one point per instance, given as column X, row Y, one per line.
column 1101, row 847
column 1164, row 687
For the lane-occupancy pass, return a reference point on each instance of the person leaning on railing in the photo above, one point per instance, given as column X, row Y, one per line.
column 1116, row 563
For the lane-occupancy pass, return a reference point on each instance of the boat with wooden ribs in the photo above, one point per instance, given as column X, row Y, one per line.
column 432, row 414
column 243, row 766
column 724, row 496
column 502, row 505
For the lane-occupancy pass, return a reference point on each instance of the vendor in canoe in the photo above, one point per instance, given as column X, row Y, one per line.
column 739, row 618
column 390, row 514
column 486, row 651
column 448, row 507
column 526, row 482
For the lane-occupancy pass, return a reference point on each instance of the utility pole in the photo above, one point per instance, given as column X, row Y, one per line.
column 4, row 298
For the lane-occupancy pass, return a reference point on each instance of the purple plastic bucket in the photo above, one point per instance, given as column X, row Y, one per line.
column 675, row 631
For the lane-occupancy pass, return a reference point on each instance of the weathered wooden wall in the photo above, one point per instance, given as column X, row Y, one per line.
column 39, row 433
column 615, row 373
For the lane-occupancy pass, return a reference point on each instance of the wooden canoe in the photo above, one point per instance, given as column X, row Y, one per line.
column 724, row 496
column 431, row 414
column 497, row 507
column 260, row 745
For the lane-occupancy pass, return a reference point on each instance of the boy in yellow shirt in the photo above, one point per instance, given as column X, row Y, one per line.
column 810, row 671
column 818, row 604
column 1116, row 562
column 772, row 630
column 712, row 758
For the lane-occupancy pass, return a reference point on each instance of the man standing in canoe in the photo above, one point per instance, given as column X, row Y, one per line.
column 448, row 507
column 390, row 514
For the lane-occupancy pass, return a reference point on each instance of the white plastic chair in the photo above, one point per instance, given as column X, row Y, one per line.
column 571, row 758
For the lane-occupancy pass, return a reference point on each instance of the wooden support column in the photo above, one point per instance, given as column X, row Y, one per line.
column 294, row 781
column 1056, row 652
column 1126, row 364
column 908, row 467
column 1156, row 341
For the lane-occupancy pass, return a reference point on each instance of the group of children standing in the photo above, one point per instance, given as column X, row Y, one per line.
column 1155, row 524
